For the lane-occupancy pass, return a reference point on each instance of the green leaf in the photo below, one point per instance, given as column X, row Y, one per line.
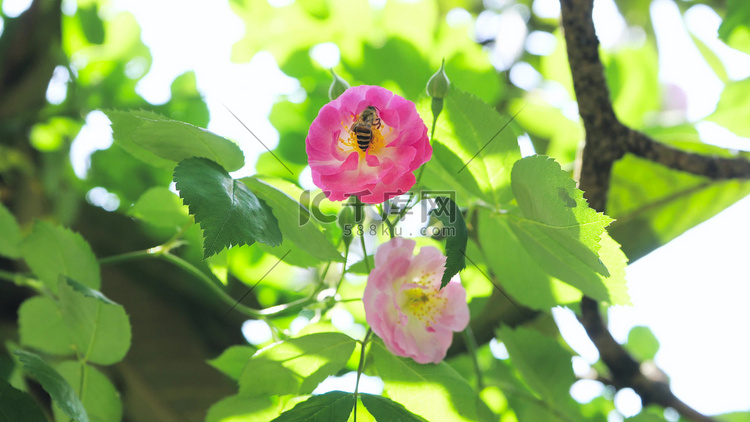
column 435, row 392
column 674, row 202
column 17, row 406
column 227, row 211
column 239, row 408
column 296, row 366
column 642, row 343
column 41, row 326
column 733, row 108
column 91, row 23
column 10, row 241
column 548, row 197
column 515, row 268
column 99, row 328
column 713, row 61
column 543, row 363
column 474, row 152
column 51, row 251
column 455, row 245
column 737, row 16
column 629, row 71
column 295, row 220
column 562, row 233
column 162, row 142
column 385, row 409
column 54, row 384
column 360, row 267
column 100, row 398
column 232, row 360
column 335, row 406
column 161, row 207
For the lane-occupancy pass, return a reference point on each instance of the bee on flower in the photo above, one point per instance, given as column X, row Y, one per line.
column 367, row 143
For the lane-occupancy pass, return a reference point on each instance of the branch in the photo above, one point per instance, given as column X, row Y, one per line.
column 607, row 140
column 626, row 371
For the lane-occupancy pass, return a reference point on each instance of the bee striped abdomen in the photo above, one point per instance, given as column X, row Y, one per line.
column 364, row 136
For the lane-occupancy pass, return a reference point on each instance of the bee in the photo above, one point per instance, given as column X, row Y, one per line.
column 363, row 127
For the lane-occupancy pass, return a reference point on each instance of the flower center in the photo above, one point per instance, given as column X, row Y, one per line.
column 424, row 303
column 363, row 138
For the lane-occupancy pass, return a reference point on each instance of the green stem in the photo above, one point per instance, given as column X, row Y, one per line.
column 82, row 384
column 23, row 281
column 360, row 369
column 200, row 275
column 471, row 345
column 343, row 270
column 129, row 256
column 362, row 235
column 364, row 248
column 432, row 138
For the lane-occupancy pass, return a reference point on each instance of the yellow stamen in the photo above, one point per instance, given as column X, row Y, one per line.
column 424, row 304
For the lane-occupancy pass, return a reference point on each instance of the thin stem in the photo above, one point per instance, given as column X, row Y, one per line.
column 362, row 236
column 432, row 137
column 82, row 384
column 343, row 270
column 325, row 271
column 364, row 248
column 23, row 281
column 471, row 345
column 129, row 256
column 360, row 369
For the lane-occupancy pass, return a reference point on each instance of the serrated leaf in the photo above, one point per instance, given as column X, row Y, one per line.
column 295, row 221
column 41, row 326
column 99, row 328
column 516, row 270
column 296, row 366
column 335, row 406
column 543, row 363
column 227, row 211
column 100, row 398
column 435, row 392
column 17, row 406
column 548, row 197
column 239, row 408
column 457, row 235
column 162, row 142
column 232, row 360
column 161, row 207
column 387, row 410
column 51, row 251
column 54, row 384
column 563, row 234
column 10, row 240
column 478, row 154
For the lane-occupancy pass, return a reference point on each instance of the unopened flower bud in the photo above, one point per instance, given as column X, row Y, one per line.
column 439, row 85
column 338, row 86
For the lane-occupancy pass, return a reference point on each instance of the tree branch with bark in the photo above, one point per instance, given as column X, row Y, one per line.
column 608, row 140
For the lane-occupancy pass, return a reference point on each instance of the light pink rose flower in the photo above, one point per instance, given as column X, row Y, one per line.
column 385, row 168
column 405, row 306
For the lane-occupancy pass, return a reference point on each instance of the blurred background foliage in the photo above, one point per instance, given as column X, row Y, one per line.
column 60, row 61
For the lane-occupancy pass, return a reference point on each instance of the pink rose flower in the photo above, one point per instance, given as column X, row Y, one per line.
column 405, row 306
column 354, row 149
